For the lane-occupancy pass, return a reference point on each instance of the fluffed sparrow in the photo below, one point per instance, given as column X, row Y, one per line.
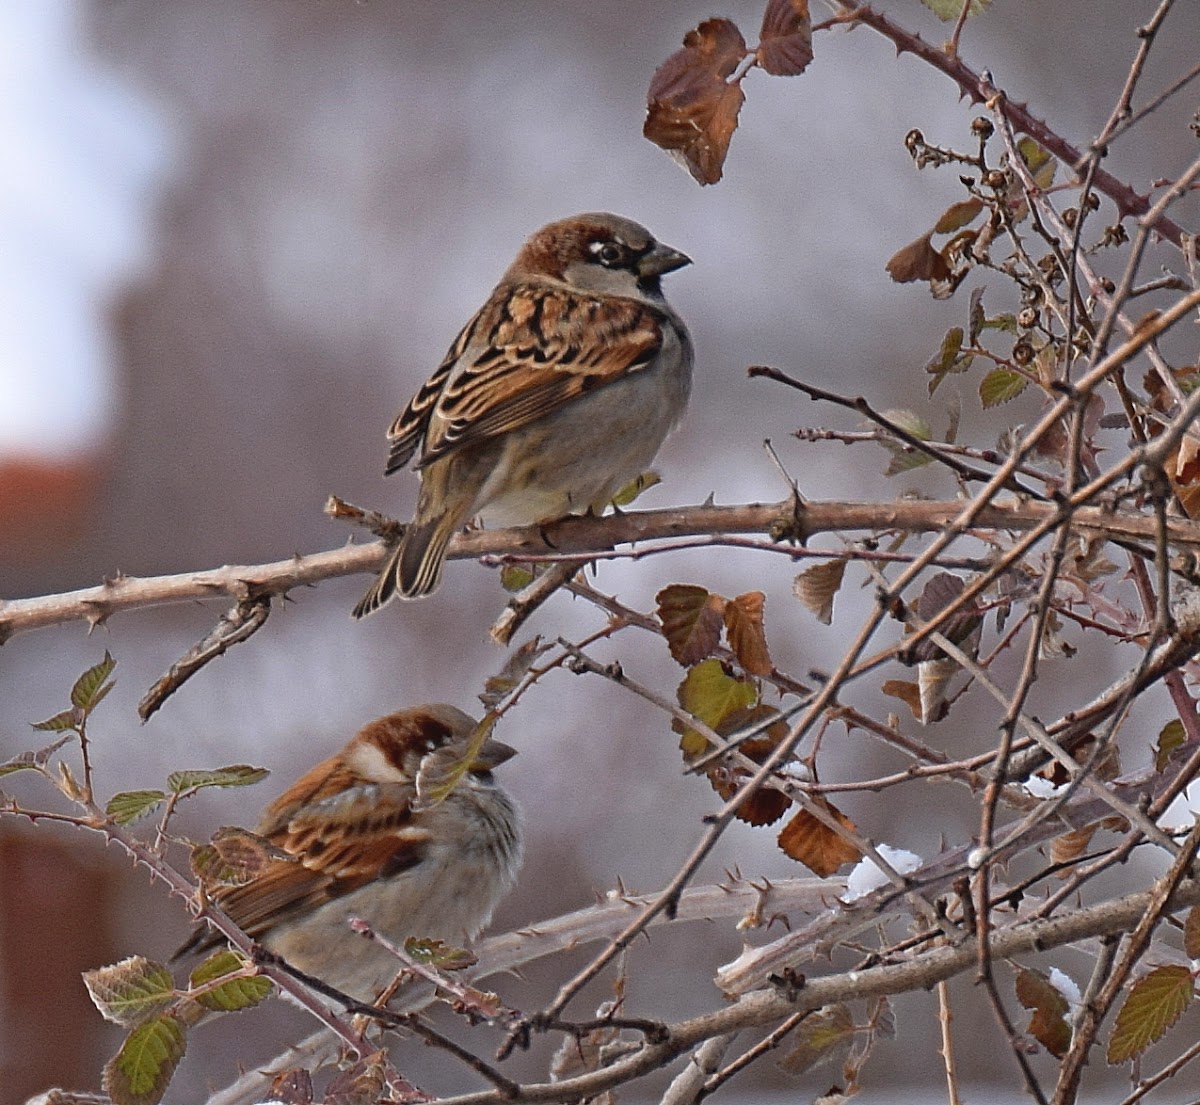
column 362, row 850
column 556, row 394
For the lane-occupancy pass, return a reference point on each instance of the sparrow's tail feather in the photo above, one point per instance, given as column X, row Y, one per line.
column 382, row 589
column 420, row 555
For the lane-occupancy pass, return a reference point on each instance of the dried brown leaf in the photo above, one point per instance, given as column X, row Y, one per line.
column 747, row 635
column 1048, row 1025
column 692, row 109
column 766, row 805
column 1070, row 846
column 815, row 844
column 817, row 586
column 292, row 1087
column 785, row 40
column 691, row 618
column 1191, row 933
column 908, row 693
column 918, row 261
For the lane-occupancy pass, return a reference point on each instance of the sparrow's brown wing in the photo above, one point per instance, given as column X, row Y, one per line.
column 340, row 843
column 532, row 348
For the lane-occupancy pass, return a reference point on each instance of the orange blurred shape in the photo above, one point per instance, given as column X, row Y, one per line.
column 45, row 504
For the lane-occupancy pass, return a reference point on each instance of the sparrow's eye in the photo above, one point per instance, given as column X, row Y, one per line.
column 609, row 254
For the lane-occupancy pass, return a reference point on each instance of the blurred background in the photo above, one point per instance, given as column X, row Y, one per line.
column 236, row 237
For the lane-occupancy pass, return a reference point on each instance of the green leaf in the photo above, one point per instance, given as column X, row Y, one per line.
column 141, row 1071
column 236, row 775
column 231, row 996
column 1041, row 163
column 947, row 10
column 25, row 761
column 89, row 688
column 131, row 805
column 1170, row 737
column 1155, row 1002
column 904, row 457
column 130, row 991
column 709, row 693
column 436, row 953
column 949, row 360
column 999, row 386
column 68, row 719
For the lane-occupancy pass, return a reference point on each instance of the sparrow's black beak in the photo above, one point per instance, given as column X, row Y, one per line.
column 491, row 755
column 661, row 259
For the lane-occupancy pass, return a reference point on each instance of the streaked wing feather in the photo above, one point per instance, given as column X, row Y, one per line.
column 407, row 431
column 343, row 842
column 535, row 360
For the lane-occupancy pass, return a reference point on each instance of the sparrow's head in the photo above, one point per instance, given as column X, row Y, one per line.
column 599, row 252
column 391, row 749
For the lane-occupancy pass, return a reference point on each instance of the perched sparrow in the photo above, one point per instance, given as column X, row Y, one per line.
column 363, row 850
column 556, row 394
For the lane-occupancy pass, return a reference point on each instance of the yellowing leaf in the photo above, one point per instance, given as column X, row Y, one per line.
column 141, row 1071
column 1155, row 1002
column 130, row 991
column 821, row 1036
column 130, row 805
column 691, row 618
column 815, row 844
column 514, row 578
column 1048, row 1025
column 747, row 635
column 1170, row 737
column 999, row 386
column 817, row 586
column 68, row 719
column 634, row 488
column 710, row 693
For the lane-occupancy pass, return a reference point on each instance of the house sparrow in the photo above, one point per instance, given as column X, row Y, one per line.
column 556, row 394
column 365, row 846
